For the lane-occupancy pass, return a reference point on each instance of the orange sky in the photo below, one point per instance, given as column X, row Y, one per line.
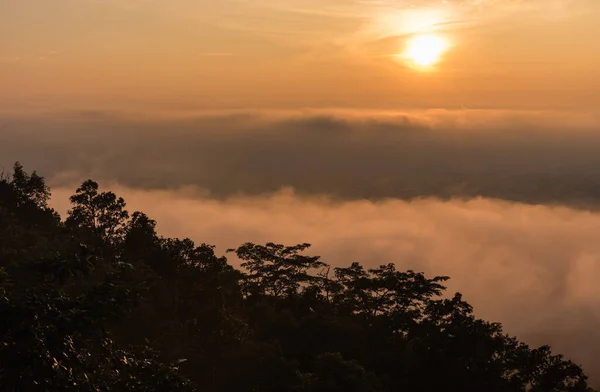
column 271, row 53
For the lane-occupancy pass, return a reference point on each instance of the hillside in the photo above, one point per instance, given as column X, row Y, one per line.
column 99, row 301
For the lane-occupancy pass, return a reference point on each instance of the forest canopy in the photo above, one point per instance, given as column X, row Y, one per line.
column 99, row 301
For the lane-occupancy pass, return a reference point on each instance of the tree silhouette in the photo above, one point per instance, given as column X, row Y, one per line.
column 99, row 215
column 102, row 302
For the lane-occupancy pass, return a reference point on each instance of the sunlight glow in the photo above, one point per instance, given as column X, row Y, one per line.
column 411, row 21
column 425, row 50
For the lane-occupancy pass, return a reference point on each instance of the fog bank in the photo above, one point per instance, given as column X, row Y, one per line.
column 533, row 268
column 532, row 157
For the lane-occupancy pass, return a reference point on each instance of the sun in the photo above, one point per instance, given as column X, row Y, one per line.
column 425, row 50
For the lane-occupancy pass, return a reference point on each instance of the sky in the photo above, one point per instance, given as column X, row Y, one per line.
column 313, row 121
column 289, row 53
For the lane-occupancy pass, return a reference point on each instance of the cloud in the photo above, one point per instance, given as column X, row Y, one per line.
column 43, row 55
column 216, row 54
column 532, row 157
column 9, row 59
column 355, row 25
column 122, row 4
column 533, row 268
column 380, row 19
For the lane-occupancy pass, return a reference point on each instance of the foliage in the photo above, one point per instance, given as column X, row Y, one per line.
column 101, row 302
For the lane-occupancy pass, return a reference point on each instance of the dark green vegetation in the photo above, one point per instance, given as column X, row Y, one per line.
column 100, row 302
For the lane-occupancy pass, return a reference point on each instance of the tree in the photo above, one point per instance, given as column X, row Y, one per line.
column 29, row 188
column 333, row 373
column 101, row 302
column 57, row 308
column 29, row 229
column 100, row 217
column 276, row 269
